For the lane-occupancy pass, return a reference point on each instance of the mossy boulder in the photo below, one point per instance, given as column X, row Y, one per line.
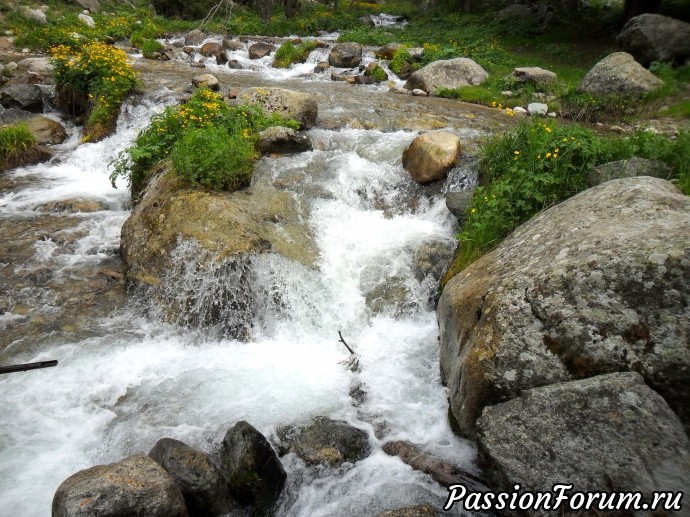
column 290, row 104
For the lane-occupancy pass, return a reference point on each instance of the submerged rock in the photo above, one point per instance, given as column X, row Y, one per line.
column 599, row 283
column 326, row 441
column 74, row 205
column 288, row 103
column 430, row 156
column 451, row 73
column 618, row 74
column 252, row 468
column 609, row 432
column 135, row 486
column 205, row 491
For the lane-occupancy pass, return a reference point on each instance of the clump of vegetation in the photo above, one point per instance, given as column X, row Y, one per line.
column 17, row 144
column 211, row 144
column 94, row 83
column 289, row 53
column 401, row 64
column 539, row 164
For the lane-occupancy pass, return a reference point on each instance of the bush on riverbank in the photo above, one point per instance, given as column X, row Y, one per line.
column 93, row 83
column 211, row 144
column 537, row 165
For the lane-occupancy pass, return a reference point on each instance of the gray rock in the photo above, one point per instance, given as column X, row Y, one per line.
column 134, row 486
column 520, row 110
column 432, row 258
column 618, row 74
column 451, row 73
column 27, row 97
column 326, row 441
column 291, row 104
column 231, row 44
column 37, row 65
column 599, row 433
column 33, row 14
column 253, row 470
column 278, row 139
column 430, row 156
column 194, row 38
column 416, row 53
column 597, row 284
column 535, row 76
column 364, row 79
column 87, row 20
column 367, row 20
column 206, row 81
column 92, row 5
column 345, row 55
column 260, row 49
column 419, row 93
column 537, row 108
column 653, row 37
column 516, row 12
column 399, row 91
column 422, row 510
column 205, row 491
column 628, row 169
column 74, row 205
column 321, row 67
column 458, row 202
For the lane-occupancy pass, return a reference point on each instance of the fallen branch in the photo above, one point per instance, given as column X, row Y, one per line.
column 346, row 345
column 352, row 363
column 27, row 366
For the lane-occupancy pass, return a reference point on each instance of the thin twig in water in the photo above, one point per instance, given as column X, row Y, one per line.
column 346, row 345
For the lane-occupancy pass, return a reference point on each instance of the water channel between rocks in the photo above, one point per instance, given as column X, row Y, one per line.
column 124, row 380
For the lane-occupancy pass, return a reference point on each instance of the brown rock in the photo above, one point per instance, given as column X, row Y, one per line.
column 430, row 156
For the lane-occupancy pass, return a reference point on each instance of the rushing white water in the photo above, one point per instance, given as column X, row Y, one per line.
column 139, row 380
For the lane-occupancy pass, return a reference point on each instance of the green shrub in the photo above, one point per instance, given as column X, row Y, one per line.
column 15, row 140
column 540, row 164
column 288, row 53
column 204, row 110
column 212, row 158
column 402, row 61
column 149, row 47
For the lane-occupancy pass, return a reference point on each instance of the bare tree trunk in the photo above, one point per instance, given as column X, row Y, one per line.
column 265, row 8
column 289, row 7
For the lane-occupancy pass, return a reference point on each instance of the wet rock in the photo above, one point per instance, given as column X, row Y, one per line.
column 441, row 471
column 134, row 486
column 603, row 433
column 618, row 74
column 278, row 139
column 232, row 45
column 28, row 97
column 375, row 71
column 537, row 108
column 206, row 81
column 87, row 20
column 451, row 73
column 37, row 65
column 32, row 156
column 33, row 14
column 345, row 78
column 260, row 49
column 252, row 468
column 327, row 442
column 74, row 205
column 211, row 49
column 387, row 295
column 596, row 284
column 422, row 510
column 628, row 169
column 45, row 130
column 204, row 489
column 458, row 202
column 321, row 67
column 235, row 65
column 364, row 79
column 432, row 259
column 535, row 76
column 430, row 156
column 388, row 51
column 290, row 104
column 653, row 37
column 194, row 38
column 345, row 55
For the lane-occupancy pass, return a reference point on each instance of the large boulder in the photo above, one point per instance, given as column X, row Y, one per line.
column 535, row 76
column 278, row 139
column 628, row 169
column 288, row 103
column 41, row 66
column 252, row 468
column 430, row 156
column 33, row 14
column 345, row 55
column 173, row 226
column 211, row 49
column 135, row 486
column 209, row 81
column 618, row 74
column 194, row 38
column 205, row 491
column 260, row 49
column 328, row 442
column 27, row 97
column 450, row 73
column 653, row 37
column 597, row 284
column 610, row 432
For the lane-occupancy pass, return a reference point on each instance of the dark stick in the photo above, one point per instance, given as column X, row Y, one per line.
column 346, row 345
column 27, row 366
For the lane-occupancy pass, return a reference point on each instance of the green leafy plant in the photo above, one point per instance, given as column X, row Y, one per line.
column 289, row 53
column 15, row 141
column 402, row 61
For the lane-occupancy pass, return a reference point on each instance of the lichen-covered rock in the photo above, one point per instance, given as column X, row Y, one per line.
column 610, row 432
column 375, row 71
column 450, row 73
column 252, row 468
column 535, row 76
column 205, row 491
column 33, row 14
column 653, row 37
column 278, row 139
column 326, row 441
column 628, row 169
column 260, row 49
column 194, row 38
column 430, row 156
column 28, row 97
column 135, row 486
column 41, row 66
column 597, row 284
column 288, row 103
column 345, row 55
column 618, row 74
column 209, row 81
column 74, row 205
